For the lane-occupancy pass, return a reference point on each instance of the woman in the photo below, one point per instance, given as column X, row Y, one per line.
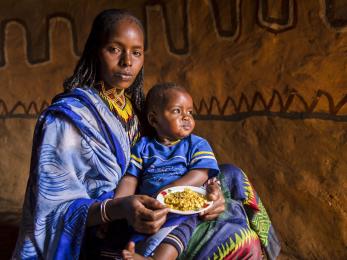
column 81, row 149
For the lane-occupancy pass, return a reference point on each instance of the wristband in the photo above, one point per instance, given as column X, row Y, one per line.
column 104, row 217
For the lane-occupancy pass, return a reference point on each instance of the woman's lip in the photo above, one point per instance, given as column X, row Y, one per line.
column 124, row 76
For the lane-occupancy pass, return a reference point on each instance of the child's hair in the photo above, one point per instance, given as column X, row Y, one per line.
column 157, row 98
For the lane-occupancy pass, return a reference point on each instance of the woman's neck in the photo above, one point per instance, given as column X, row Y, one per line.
column 113, row 93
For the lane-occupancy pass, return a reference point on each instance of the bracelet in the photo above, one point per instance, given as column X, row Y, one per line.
column 104, row 217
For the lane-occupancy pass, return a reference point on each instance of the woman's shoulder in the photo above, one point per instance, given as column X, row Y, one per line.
column 72, row 106
column 78, row 95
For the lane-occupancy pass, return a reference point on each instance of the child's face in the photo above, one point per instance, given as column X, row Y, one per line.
column 175, row 119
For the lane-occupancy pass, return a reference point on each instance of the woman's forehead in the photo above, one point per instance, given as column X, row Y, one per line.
column 127, row 27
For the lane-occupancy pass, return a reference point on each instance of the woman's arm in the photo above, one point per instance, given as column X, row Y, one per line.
column 143, row 213
column 94, row 216
column 127, row 186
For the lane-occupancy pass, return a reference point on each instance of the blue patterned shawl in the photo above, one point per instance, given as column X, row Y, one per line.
column 80, row 151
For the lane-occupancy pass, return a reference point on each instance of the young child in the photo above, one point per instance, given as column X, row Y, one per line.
column 172, row 157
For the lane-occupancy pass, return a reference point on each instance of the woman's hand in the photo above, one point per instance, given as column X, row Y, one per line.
column 143, row 213
column 213, row 193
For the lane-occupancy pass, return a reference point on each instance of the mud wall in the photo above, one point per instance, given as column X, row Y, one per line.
column 268, row 79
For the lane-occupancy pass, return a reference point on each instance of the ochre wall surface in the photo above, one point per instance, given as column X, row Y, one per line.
column 269, row 83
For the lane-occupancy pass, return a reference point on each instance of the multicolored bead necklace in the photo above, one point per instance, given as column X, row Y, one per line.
column 120, row 104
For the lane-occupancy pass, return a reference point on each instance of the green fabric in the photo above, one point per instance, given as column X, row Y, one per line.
column 236, row 233
column 204, row 230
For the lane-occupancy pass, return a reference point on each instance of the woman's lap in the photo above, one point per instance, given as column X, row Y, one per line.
column 106, row 241
column 236, row 233
column 242, row 231
column 230, row 235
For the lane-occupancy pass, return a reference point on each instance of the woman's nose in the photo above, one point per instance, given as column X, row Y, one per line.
column 126, row 60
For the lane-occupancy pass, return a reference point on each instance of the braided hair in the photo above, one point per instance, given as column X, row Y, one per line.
column 86, row 70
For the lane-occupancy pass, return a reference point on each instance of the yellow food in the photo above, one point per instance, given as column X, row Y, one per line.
column 185, row 200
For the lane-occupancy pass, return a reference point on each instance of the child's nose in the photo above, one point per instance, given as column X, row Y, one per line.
column 186, row 116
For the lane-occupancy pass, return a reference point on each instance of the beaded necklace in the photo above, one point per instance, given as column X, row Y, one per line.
column 120, row 105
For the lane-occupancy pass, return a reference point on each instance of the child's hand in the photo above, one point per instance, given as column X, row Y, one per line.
column 129, row 253
column 214, row 193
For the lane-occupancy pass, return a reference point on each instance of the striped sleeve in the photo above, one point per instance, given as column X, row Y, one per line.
column 202, row 157
column 136, row 163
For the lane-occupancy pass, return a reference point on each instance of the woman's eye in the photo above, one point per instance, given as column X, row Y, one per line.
column 114, row 50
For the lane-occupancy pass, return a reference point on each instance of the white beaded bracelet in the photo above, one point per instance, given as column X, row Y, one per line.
column 104, row 217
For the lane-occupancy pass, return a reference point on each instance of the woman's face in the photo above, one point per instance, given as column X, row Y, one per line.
column 122, row 57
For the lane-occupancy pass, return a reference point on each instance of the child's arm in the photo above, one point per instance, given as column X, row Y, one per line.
column 195, row 177
column 126, row 186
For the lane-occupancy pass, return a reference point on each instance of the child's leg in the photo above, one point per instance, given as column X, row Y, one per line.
column 172, row 245
column 163, row 251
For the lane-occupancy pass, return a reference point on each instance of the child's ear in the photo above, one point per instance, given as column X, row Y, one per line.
column 152, row 120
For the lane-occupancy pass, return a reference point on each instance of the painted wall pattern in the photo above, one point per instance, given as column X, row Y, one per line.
column 268, row 82
column 227, row 22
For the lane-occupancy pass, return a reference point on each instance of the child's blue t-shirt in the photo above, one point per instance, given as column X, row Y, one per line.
column 157, row 165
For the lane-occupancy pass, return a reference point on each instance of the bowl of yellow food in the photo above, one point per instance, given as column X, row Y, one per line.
column 185, row 200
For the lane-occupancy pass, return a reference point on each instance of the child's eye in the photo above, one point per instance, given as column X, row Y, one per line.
column 190, row 112
column 176, row 111
column 137, row 53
